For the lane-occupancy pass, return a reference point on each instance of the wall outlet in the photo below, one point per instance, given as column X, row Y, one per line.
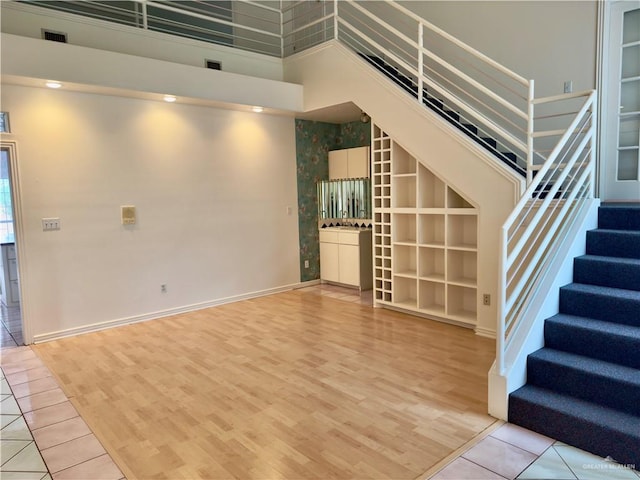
column 568, row 86
column 486, row 299
column 306, row 264
column 163, row 288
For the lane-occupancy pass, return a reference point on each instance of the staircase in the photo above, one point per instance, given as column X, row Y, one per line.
column 583, row 387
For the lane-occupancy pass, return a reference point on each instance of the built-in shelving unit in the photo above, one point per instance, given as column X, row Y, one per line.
column 425, row 237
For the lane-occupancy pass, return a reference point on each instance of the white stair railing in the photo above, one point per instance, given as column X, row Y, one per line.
column 537, row 226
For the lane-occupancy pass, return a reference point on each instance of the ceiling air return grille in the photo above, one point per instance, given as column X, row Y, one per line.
column 54, row 36
column 213, row 64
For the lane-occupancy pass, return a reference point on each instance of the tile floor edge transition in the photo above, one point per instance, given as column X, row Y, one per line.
column 460, row 450
column 26, row 352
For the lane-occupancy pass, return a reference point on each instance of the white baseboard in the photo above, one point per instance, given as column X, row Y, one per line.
column 94, row 327
column 485, row 332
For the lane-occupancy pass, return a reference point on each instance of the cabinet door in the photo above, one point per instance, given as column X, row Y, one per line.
column 358, row 162
column 338, row 164
column 350, row 264
column 329, row 262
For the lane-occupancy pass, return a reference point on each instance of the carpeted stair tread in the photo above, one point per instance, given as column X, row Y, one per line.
column 619, row 216
column 602, row 303
column 597, row 429
column 613, row 272
column 605, row 383
column 588, row 336
column 621, row 243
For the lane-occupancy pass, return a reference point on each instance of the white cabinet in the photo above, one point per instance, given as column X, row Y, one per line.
column 329, row 254
column 349, row 163
column 345, row 257
column 10, row 294
column 425, row 238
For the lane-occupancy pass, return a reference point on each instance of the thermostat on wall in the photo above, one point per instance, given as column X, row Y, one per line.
column 128, row 213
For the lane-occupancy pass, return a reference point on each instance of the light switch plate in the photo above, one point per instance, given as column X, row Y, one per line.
column 50, row 224
column 128, row 214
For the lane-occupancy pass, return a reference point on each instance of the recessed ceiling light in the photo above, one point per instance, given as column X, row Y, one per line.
column 257, row 109
column 53, row 84
column 170, row 98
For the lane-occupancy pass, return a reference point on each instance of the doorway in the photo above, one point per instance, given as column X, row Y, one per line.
column 620, row 90
column 10, row 312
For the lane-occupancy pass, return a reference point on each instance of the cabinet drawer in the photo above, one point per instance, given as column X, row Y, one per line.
column 13, row 269
column 349, row 238
column 330, row 237
column 11, row 251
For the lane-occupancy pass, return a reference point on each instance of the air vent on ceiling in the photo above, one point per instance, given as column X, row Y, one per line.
column 213, row 64
column 54, row 36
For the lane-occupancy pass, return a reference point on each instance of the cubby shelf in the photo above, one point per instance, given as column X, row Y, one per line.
column 425, row 237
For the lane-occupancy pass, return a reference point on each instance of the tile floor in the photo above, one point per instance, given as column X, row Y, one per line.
column 10, row 326
column 43, row 437
column 512, row 452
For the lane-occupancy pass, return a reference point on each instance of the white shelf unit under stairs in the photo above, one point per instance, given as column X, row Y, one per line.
column 425, row 238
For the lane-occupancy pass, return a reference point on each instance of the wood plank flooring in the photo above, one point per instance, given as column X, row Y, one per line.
column 293, row 385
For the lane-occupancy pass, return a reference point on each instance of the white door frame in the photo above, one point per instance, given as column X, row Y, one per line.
column 16, row 198
column 605, row 89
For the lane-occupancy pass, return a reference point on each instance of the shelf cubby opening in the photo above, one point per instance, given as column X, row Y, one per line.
column 404, row 260
column 403, row 163
column 404, row 192
column 386, row 273
column 462, row 267
column 432, row 230
column 432, row 297
column 405, row 292
column 386, row 263
column 455, row 200
column 462, row 303
column 432, row 189
column 404, row 228
column 463, row 231
column 431, row 264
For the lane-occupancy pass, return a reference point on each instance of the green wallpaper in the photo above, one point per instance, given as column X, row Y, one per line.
column 313, row 142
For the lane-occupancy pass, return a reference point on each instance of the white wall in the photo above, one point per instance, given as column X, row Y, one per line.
column 28, row 21
column 549, row 42
column 211, row 188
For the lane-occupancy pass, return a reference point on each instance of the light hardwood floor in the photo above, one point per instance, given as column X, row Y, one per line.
column 293, row 385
